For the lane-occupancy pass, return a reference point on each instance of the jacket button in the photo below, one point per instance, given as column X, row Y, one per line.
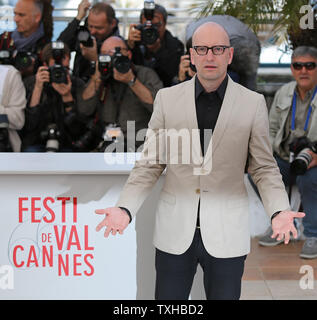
column 198, row 191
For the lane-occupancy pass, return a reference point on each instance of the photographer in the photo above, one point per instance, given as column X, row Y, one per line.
column 12, row 104
column 100, row 24
column 34, row 28
column 52, row 120
column 185, row 69
column 126, row 91
column 293, row 115
column 158, row 49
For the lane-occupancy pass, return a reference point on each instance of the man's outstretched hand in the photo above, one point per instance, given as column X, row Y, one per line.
column 116, row 220
column 283, row 224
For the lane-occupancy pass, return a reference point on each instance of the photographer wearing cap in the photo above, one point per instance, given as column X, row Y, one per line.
column 293, row 134
column 126, row 92
column 153, row 45
column 100, row 24
column 34, row 28
column 54, row 97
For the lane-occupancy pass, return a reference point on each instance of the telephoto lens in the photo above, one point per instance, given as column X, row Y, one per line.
column 301, row 162
column 23, row 60
column 301, row 148
column 121, row 62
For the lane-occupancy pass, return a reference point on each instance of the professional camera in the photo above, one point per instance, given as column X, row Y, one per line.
column 299, row 148
column 4, row 134
column 118, row 61
column 91, row 138
column 6, row 57
column 121, row 62
column 51, row 135
column 58, row 73
column 19, row 59
column 84, row 37
column 23, row 60
column 149, row 32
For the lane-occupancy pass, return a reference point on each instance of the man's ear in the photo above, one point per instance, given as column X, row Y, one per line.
column 130, row 54
column 38, row 17
column 231, row 52
column 191, row 53
column 114, row 23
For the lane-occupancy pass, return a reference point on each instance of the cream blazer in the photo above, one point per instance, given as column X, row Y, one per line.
column 241, row 134
column 12, row 102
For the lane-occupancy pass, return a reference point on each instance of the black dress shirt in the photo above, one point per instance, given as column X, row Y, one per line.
column 208, row 105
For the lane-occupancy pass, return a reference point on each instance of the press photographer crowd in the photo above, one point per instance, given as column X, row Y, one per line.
column 46, row 107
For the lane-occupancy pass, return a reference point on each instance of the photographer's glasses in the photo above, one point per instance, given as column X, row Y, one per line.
column 307, row 65
column 216, row 50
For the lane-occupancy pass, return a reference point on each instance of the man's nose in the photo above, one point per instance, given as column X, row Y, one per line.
column 92, row 31
column 210, row 55
column 303, row 70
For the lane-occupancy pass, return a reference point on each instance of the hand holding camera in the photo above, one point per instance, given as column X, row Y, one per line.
column 89, row 52
column 134, row 35
column 64, row 89
column 123, row 77
column 313, row 162
column 303, row 155
column 146, row 33
column 109, row 65
column 42, row 76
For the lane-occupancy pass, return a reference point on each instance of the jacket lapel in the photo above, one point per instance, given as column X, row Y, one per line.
column 224, row 115
column 192, row 123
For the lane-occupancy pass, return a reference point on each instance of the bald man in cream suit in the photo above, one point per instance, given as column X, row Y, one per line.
column 202, row 216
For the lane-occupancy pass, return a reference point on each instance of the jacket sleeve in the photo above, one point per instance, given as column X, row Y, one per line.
column 85, row 107
column 69, row 34
column 148, row 169
column 14, row 99
column 150, row 79
column 168, row 60
column 262, row 165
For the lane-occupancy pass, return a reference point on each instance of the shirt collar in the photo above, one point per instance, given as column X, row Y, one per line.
column 221, row 90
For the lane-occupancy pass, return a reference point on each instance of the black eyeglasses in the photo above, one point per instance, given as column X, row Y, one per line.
column 307, row 65
column 216, row 50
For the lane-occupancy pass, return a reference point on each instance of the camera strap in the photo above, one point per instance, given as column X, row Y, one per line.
column 294, row 111
column 6, row 41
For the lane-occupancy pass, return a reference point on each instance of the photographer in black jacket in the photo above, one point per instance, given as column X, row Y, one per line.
column 101, row 23
column 52, row 120
column 162, row 55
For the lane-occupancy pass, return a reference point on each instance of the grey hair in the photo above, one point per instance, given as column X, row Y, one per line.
column 39, row 5
column 305, row 51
